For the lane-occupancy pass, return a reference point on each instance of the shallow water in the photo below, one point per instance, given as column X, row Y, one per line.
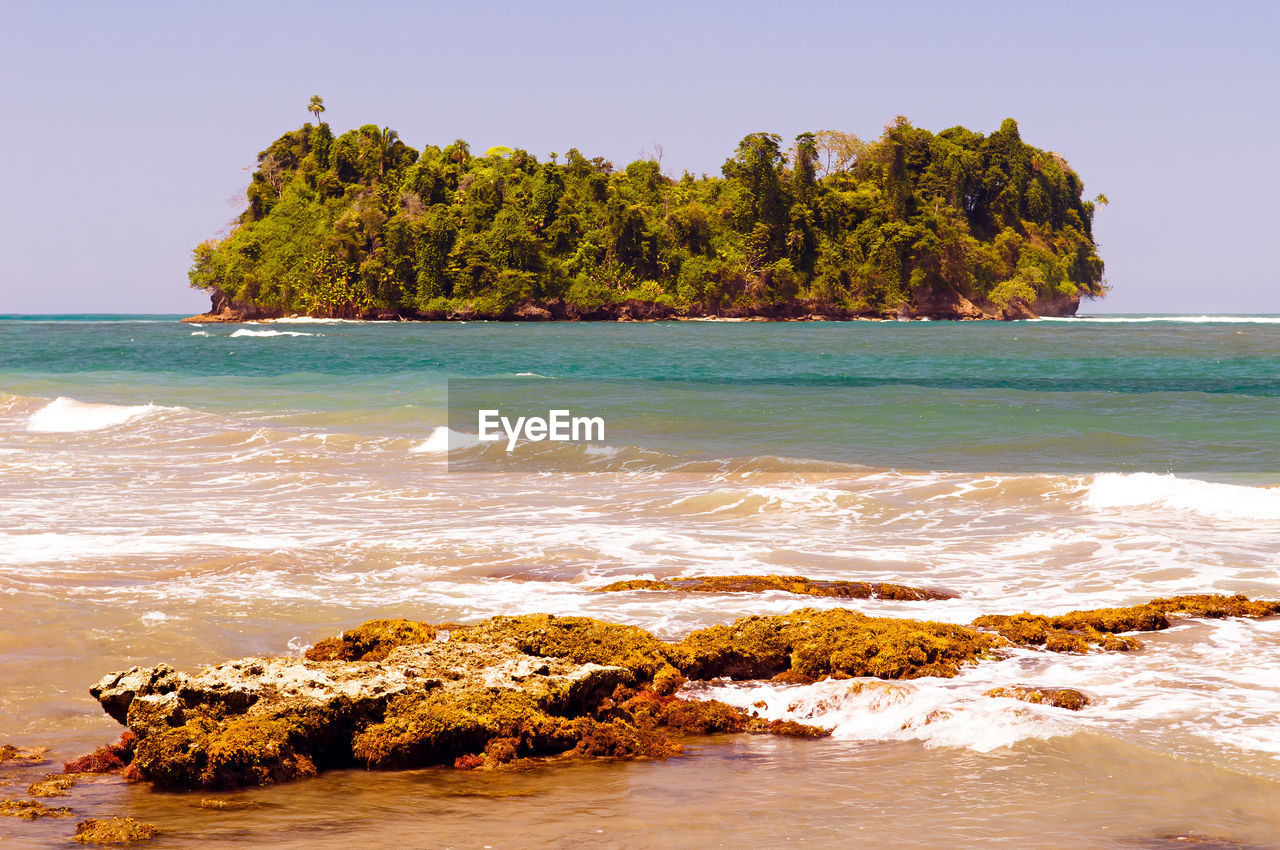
column 179, row 494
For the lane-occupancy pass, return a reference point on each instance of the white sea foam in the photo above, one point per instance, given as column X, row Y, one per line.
column 308, row 320
column 66, row 415
column 442, row 439
column 939, row 714
column 1184, row 320
column 1168, row 492
column 200, row 333
column 243, row 332
column 52, row 547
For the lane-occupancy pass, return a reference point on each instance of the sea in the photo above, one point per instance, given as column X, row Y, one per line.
column 188, row 494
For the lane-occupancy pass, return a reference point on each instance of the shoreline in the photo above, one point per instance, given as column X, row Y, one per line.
column 925, row 306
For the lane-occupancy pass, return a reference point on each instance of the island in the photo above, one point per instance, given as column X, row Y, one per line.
column 916, row 224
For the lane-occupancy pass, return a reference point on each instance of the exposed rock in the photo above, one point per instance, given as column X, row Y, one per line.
column 392, row 693
column 114, row 831
column 815, row 643
column 30, row 755
column 1016, row 309
column 53, row 785
column 31, row 810
column 1057, row 304
column 941, row 304
column 399, row 693
column 223, row 310
column 1076, row 631
column 533, row 313
column 1067, row 698
column 790, row 584
column 924, row 303
column 227, row 804
column 108, row 759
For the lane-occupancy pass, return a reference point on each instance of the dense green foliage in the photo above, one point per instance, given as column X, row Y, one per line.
column 340, row 226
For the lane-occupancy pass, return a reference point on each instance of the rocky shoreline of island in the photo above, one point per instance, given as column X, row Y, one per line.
column 931, row 306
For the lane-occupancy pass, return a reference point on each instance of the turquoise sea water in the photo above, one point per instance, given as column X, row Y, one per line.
column 1184, row 395
column 189, row 494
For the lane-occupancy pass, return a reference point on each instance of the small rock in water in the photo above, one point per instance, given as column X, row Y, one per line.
column 52, row 785
column 114, row 831
column 227, row 804
column 31, row 809
column 1068, row 698
column 32, row 755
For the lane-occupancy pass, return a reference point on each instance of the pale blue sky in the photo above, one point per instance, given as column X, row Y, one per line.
column 128, row 126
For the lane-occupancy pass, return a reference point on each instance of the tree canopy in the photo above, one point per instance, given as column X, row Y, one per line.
column 340, row 226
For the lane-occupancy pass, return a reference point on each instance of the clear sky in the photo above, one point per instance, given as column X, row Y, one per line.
column 129, row 128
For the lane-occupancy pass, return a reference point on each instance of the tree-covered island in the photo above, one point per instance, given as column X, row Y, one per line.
column 945, row 225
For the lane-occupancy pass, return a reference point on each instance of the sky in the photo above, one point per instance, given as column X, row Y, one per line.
column 129, row 129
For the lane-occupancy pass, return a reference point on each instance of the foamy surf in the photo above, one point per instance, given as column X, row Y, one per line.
column 66, row 415
column 1177, row 320
column 939, row 714
column 243, row 332
column 309, row 320
column 443, row 438
column 1168, row 492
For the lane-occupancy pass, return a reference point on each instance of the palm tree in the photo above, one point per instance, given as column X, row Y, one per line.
column 316, row 106
column 386, row 140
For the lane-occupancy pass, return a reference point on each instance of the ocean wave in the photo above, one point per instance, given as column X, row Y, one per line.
column 308, row 320
column 66, row 415
column 939, row 715
column 242, row 332
column 1168, row 492
column 1183, row 320
column 442, row 438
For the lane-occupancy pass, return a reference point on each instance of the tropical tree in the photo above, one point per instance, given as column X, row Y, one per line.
column 316, row 106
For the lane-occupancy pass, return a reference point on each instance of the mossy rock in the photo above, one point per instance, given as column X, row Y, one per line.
column 53, row 785
column 31, row 810
column 372, row 641
column 1078, row 631
column 114, row 831
column 788, row 584
column 500, row 693
column 583, row 640
column 30, row 755
column 1068, row 698
column 227, row 805
column 814, row 643
column 1216, row 605
column 107, row 759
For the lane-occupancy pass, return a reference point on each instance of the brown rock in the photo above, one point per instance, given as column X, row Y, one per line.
column 1068, row 698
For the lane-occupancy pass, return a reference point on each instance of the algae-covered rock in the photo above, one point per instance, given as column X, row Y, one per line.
column 372, row 641
column 496, row 694
column 31, row 810
column 789, row 584
column 114, row 831
column 397, row 694
column 814, row 643
column 28, row 755
column 227, row 805
column 1068, row 698
column 1216, row 605
column 1077, row 631
column 107, row 759
column 53, row 785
